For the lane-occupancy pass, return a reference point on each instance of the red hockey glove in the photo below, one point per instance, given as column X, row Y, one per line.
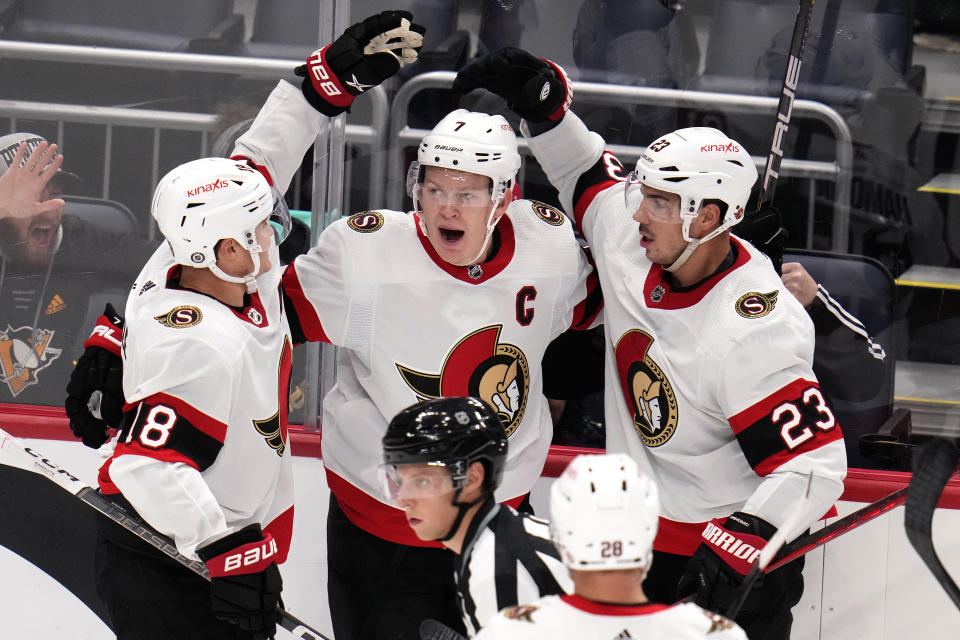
column 245, row 583
column 95, row 391
column 716, row 571
column 365, row 55
column 536, row 89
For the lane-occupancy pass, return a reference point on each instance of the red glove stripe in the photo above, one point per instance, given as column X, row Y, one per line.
column 252, row 557
column 567, row 91
column 325, row 82
column 737, row 550
column 106, row 336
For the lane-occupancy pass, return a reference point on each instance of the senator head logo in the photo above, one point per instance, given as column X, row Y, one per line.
column 646, row 390
column 479, row 365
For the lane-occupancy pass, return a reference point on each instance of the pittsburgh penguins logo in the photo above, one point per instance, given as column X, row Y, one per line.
column 24, row 353
column 482, row 366
column 756, row 304
column 180, row 317
column 547, row 213
column 366, row 221
column 646, row 389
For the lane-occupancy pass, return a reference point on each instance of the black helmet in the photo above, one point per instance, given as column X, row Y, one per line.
column 454, row 431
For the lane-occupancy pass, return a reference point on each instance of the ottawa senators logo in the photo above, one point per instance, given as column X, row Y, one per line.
column 180, row 317
column 479, row 365
column 365, row 221
column 23, row 354
column 646, row 390
column 755, row 304
column 547, row 213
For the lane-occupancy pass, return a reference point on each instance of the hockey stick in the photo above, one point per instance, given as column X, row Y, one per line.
column 773, row 545
column 27, row 458
column 788, row 92
column 937, row 463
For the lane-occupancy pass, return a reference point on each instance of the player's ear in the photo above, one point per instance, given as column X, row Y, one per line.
column 476, row 474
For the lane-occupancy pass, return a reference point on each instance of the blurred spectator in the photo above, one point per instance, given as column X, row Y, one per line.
column 56, row 272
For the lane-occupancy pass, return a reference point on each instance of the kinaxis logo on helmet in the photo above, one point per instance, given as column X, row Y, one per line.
column 219, row 183
column 731, row 147
column 479, row 365
column 646, row 390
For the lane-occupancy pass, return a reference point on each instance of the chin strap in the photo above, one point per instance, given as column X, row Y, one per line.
column 491, row 224
column 250, row 279
column 462, row 508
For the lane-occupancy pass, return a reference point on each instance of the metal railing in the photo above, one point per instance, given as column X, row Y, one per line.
column 371, row 136
column 839, row 171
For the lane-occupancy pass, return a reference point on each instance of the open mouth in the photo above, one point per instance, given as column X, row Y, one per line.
column 645, row 238
column 41, row 235
column 451, row 235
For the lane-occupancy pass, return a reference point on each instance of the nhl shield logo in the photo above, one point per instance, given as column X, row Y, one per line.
column 646, row 389
column 24, row 353
column 479, row 365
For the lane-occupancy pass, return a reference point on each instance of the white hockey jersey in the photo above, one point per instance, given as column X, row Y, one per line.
column 410, row 326
column 554, row 617
column 208, row 451
column 711, row 389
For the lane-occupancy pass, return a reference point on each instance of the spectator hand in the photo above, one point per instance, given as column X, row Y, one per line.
column 95, row 391
column 716, row 571
column 21, row 187
column 764, row 230
column 799, row 283
column 536, row 89
column 365, row 55
column 245, row 583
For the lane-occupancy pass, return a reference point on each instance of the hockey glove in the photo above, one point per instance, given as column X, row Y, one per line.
column 537, row 90
column 365, row 55
column 245, row 583
column 764, row 230
column 95, row 391
column 716, row 571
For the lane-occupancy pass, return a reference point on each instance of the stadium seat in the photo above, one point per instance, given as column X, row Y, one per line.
column 860, row 387
column 108, row 214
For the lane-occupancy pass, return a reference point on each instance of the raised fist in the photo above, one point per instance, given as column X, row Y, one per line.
column 537, row 90
column 365, row 55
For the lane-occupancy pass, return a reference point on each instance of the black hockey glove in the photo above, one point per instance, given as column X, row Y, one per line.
column 245, row 583
column 764, row 230
column 95, row 401
column 537, row 90
column 716, row 571
column 365, row 55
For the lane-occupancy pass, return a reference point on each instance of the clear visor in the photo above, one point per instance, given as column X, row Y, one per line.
column 280, row 218
column 458, row 188
column 657, row 208
column 414, row 481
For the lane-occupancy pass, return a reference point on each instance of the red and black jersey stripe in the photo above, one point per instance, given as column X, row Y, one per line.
column 789, row 422
column 167, row 428
column 604, row 173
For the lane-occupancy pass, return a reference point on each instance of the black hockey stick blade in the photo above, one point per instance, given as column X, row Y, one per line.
column 434, row 630
column 936, row 465
column 16, row 453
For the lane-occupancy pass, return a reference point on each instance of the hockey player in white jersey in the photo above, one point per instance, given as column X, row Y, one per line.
column 603, row 518
column 443, row 460
column 709, row 384
column 207, row 350
column 205, row 459
column 460, row 297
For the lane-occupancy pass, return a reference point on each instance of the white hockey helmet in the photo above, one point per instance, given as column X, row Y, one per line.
column 470, row 141
column 204, row 201
column 697, row 164
column 604, row 513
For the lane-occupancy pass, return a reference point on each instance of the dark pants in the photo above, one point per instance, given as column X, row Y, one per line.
column 766, row 613
column 380, row 590
column 149, row 596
